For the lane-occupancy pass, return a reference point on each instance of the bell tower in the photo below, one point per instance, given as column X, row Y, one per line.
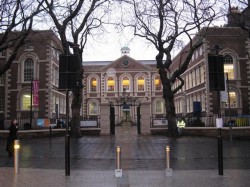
column 125, row 51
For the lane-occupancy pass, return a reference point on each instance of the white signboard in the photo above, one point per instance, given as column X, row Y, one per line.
column 219, row 122
column 160, row 122
column 88, row 123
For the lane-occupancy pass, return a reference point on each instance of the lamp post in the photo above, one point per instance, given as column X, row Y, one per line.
column 229, row 108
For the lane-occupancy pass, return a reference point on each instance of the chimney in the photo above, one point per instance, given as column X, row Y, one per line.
column 233, row 17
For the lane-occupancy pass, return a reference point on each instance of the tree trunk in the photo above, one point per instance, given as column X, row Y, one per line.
column 171, row 116
column 169, row 104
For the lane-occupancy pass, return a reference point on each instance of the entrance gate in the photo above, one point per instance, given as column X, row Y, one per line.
column 126, row 113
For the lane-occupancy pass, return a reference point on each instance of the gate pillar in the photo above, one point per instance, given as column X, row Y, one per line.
column 145, row 118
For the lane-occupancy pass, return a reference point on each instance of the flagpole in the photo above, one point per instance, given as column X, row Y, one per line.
column 31, row 99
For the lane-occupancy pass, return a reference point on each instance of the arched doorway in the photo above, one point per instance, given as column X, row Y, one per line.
column 125, row 117
column 125, row 113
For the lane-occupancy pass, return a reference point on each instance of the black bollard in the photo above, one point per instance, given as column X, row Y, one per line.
column 50, row 131
column 220, row 152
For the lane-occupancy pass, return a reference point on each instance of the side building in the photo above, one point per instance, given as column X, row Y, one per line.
column 234, row 103
column 33, row 78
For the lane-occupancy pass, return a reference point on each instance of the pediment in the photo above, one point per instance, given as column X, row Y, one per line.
column 126, row 63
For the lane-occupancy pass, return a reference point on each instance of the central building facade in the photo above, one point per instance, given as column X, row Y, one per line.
column 125, row 84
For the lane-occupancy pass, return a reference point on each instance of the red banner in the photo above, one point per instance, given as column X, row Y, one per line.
column 35, row 90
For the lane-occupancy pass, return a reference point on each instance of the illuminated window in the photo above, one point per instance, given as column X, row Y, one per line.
column 233, row 100
column 125, row 84
column 159, row 107
column 111, row 84
column 28, row 70
column 93, row 108
column 141, row 84
column 157, row 83
column 93, row 85
column 229, row 66
column 25, row 101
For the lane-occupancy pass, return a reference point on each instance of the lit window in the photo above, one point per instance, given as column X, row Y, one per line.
column 25, row 101
column 93, row 108
column 229, row 66
column 141, row 84
column 125, row 84
column 28, row 70
column 157, row 83
column 111, row 84
column 233, row 100
column 93, row 85
column 159, row 107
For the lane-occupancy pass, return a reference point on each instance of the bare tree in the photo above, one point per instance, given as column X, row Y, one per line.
column 75, row 21
column 164, row 23
column 16, row 21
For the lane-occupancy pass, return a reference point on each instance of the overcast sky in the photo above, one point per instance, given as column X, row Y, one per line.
column 110, row 49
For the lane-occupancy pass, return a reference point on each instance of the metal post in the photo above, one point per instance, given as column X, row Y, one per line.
column 168, row 169
column 67, row 140
column 118, row 157
column 139, row 119
column 220, row 153
column 16, row 156
column 229, row 108
column 50, row 131
column 167, row 157
column 31, row 101
column 118, row 171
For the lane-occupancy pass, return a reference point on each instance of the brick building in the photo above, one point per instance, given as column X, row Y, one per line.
column 37, row 61
column 127, row 83
column 234, row 44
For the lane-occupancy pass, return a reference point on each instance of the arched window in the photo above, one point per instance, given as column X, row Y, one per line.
column 28, row 70
column 93, row 84
column 93, row 108
column 229, row 66
column 25, row 101
column 125, row 83
column 141, row 84
column 159, row 107
column 157, row 83
column 111, row 84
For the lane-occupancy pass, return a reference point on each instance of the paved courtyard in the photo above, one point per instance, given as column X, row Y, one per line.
column 93, row 162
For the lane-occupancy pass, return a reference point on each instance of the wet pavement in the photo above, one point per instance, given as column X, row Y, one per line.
column 142, row 161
